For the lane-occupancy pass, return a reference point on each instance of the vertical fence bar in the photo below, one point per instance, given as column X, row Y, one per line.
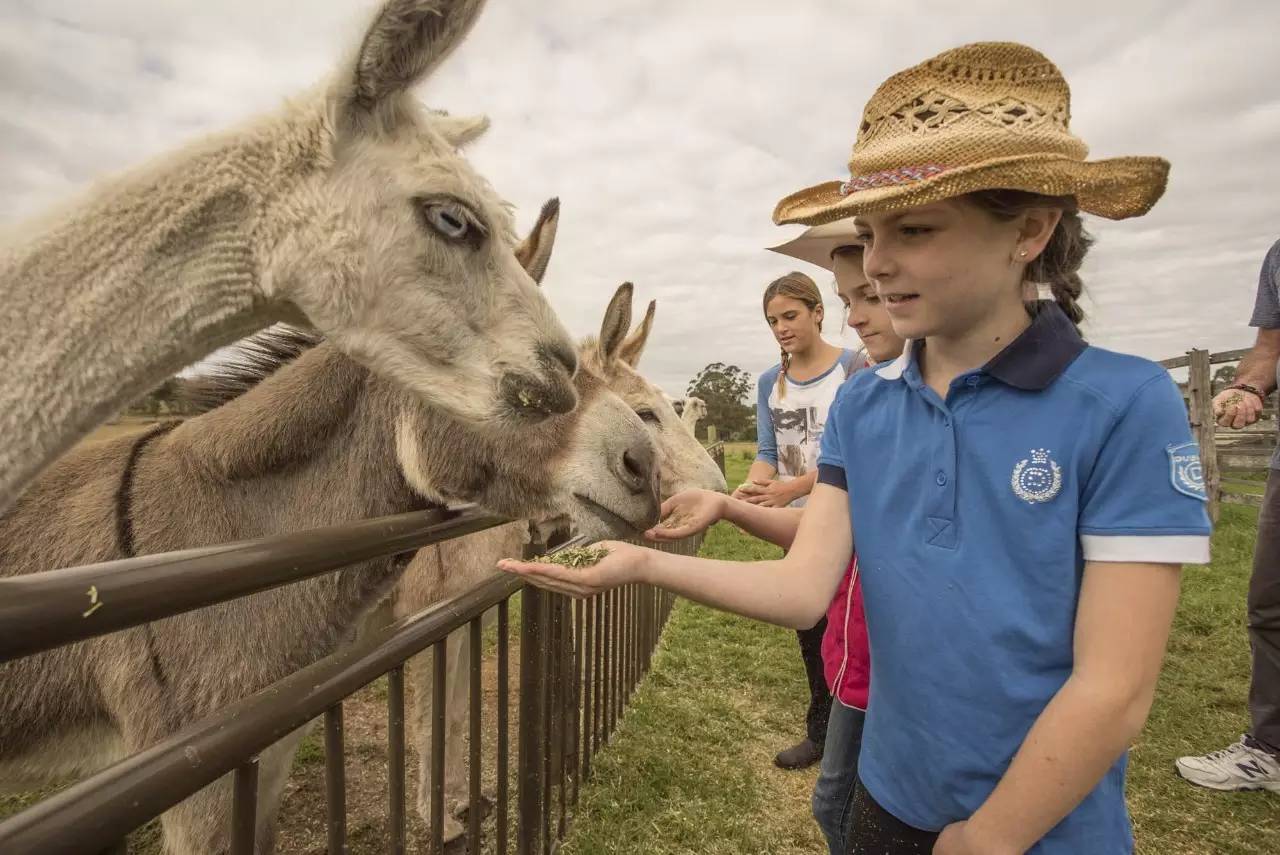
column 504, row 748
column 1200, row 391
column 548, row 732
column 606, row 601
column 567, row 699
column 635, row 637
column 244, row 809
column 626, row 647
column 593, row 682
column 597, row 700
column 439, row 664
column 335, row 780
column 395, row 758
column 579, row 615
column 473, row 814
column 531, row 741
column 617, row 662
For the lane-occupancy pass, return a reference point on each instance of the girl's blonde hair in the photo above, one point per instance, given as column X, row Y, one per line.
column 800, row 287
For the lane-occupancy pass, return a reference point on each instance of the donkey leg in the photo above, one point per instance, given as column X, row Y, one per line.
column 273, row 773
column 420, row 675
column 457, row 692
column 201, row 825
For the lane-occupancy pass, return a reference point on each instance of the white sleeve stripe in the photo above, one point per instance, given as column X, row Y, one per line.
column 1156, row 549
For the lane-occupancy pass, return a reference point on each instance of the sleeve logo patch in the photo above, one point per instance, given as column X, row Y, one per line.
column 1185, row 472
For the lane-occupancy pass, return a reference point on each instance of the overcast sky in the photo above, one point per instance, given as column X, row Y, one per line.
column 669, row 130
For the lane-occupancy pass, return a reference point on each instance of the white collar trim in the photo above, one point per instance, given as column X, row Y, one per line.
column 893, row 371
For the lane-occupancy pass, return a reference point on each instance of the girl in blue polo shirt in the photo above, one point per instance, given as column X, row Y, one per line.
column 1021, row 501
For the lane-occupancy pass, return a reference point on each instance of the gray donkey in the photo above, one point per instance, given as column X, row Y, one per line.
column 298, row 436
column 349, row 209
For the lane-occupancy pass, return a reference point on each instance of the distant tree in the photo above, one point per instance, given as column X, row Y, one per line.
column 1225, row 374
column 727, row 391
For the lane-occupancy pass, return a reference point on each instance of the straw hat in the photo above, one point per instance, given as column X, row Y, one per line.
column 991, row 115
column 817, row 243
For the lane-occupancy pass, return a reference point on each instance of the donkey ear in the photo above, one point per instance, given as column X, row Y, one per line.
column 534, row 252
column 460, row 131
column 405, row 43
column 617, row 320
column 633, row 347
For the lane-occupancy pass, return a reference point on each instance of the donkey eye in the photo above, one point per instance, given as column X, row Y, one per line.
column 648, row 416
column 448, row 220
column 451, row 220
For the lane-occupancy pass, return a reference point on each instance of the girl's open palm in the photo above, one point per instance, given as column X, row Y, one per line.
column 623, row 565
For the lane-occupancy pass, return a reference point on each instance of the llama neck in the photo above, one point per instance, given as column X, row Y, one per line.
column 141, row 277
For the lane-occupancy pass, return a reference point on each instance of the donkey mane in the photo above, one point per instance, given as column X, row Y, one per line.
column 249, row 362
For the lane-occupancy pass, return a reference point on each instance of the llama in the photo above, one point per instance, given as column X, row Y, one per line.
column 447, row 569
column 296, row 435
column 694, row 411
column 349, row 210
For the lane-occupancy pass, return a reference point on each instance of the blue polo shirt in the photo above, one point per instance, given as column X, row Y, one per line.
column 973, row 517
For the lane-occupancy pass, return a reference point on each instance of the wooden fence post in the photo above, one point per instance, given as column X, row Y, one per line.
column 711, row 434
column 1200, row 392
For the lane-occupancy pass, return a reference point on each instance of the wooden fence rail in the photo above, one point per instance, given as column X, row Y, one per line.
column 1224, row 452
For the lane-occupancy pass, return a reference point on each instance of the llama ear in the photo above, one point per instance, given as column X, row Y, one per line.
column 407, row 40
column 459, row 131
column 633, row 347
column 617, row 320
column 534, row 252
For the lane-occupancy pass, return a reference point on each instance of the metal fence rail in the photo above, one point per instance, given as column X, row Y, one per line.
column 579, row 663
column 40, row 611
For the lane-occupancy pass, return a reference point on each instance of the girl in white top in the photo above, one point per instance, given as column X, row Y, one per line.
column 791, row 411
column 793, row 396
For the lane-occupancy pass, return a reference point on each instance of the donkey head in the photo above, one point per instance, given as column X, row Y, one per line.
column 393, row 226
column 594, row 469
column 684, row 463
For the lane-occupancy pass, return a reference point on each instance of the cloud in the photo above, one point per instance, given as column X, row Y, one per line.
column 669, row 130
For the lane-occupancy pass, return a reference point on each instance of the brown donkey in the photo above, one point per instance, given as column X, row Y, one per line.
column 447, row 569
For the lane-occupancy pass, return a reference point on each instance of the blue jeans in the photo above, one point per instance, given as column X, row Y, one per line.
column 838, row 775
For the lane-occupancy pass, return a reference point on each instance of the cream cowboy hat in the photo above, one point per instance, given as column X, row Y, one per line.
column 991, row 115
column 816, row 244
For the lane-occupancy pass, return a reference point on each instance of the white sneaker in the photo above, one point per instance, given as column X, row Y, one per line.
column 1236, row 767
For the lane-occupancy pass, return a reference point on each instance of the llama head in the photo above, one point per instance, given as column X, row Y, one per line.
column 683, row 462
column 696, row 409
column 403, row 255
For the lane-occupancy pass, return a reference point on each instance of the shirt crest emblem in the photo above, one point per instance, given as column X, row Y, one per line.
column 1185, row 472
column 1037, row 478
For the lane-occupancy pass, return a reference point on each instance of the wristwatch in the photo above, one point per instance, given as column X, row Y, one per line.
column 1252, row 390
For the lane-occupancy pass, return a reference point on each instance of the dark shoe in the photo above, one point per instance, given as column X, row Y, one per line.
column 802, row 755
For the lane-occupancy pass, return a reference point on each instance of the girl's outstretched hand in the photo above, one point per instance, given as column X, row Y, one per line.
column 623, row 565
column 687, row 513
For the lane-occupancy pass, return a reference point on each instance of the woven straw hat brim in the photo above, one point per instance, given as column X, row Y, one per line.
column 1115, row 188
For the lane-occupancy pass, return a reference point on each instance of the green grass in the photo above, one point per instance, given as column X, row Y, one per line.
column 689, row 772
